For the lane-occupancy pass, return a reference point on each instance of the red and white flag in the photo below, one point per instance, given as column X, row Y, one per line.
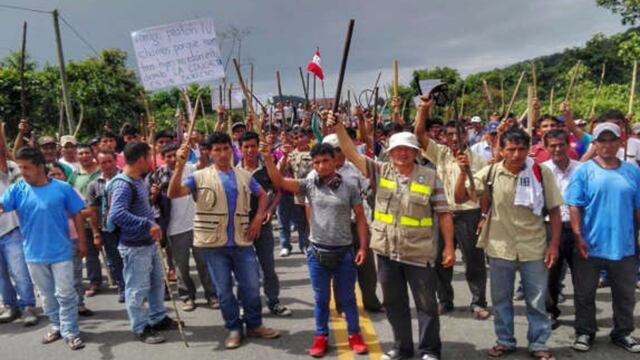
column 315, row 67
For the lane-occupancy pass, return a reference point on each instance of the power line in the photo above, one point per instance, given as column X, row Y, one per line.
column 14, row 7
column 78, row 35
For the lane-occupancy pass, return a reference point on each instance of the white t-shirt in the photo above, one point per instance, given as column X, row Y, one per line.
column 562, row 181
column 74, row 165
column 183, row 209
column 8, row 221
column 633, row 151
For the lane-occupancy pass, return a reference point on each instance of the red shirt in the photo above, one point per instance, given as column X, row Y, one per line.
column 540, row 154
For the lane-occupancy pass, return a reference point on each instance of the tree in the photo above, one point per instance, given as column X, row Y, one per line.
column 628, row 9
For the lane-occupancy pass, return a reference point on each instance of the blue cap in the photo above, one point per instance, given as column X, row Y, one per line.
column 492, row 127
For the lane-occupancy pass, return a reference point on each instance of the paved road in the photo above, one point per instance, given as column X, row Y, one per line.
column 108, row 337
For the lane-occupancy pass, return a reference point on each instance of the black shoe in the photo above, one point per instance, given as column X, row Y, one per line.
column 149, row 336
column 628, row 343
column 444, row 309
column 166, row 324
column 84, row 311
column 395, row 354
column 121, row 297
column 555, row 323
column 583, row 343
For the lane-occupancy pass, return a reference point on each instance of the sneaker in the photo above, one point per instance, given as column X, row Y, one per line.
column 583, row 343
column 233, row 340
column 285, row 252
column 429, row 357
column 29, row 316
column 84, row 311
column 319, row 346
column 150, row 336
column 519, row 294
column 121, row 297
column 214, row 303
column 263, row 332
column 628, row 343
column 166, row 324
column 9, row 314
column 188, row 305
column 280, row 310
column 357, row 344
column 395, row 354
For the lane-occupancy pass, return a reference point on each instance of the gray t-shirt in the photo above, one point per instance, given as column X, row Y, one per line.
column 330, row 211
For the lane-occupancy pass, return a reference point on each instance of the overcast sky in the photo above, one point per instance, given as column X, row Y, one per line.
column 469, row 35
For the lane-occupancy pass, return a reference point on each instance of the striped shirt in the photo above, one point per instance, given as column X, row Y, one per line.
column 133, row 218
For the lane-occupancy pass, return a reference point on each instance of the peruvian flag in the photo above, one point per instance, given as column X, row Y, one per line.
column 315, row 67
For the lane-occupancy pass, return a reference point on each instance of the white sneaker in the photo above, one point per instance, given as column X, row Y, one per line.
column 285, row 252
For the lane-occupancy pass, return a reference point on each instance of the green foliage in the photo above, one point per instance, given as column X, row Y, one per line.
column 628, row 9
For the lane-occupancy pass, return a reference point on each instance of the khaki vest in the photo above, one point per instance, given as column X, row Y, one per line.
column 402, row 226
column 212, row 214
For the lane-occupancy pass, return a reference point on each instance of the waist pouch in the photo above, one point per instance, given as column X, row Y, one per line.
column 329, row 258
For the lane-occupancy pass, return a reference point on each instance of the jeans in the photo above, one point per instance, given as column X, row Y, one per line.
column 243, row 264
column 143, row 281
column 534, row 280
column 557, row 272
column 114, row 260
column 264, row 249
column 182, row 248
column 94, row 270
column 344, row 278
column 77, row 276
column 394, row 277
column 13, row 266
column 622, row 277
column 59, row 298
column 289, row 212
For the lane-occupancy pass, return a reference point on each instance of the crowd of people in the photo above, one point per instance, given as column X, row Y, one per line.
column 381, row 202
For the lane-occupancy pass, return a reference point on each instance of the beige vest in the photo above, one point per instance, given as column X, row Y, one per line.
column 212, row 213
column 402, row 227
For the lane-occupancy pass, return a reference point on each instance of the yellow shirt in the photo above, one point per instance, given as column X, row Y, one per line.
column 515, row 232
column 448, row 170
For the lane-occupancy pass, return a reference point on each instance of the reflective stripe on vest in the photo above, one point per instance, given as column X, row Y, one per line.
column 385, row 218
column 420, row 189
column 387, row 184
column 409, row 221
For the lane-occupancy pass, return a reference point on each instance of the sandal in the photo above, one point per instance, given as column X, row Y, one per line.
column 500, row 350
column 51, row 337
column 75, row 343
column 543, row 355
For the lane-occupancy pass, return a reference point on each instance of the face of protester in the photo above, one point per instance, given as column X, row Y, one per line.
column 221, row 153
column 546, row 126
column 144, row 164
column 403, row 156
column 237, row 133
column 130, row 138
column 50, row 152
column 557, row 148
column 69, row 151
column 249, row 149
column 324, row 165
column 607, row 145
column 514, row 154
column 57, row 173
column 301, row 140
column 85, row 157
column 107, row 163
column 270, row 137
column 205, row 152
column 162, row 142
column 108, row 143
column 434, row 131
column 30, row 172
column 285, row 137
column 451, row 136
column 339, row 158
column 170, row 159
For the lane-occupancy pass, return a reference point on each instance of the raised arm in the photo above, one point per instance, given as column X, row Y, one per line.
column 278, row 180
column 348, row 148
column 566, row 111
column 422, row 115
column 176, row 188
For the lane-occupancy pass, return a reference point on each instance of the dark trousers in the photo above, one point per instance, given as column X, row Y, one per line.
column 394, row 277
column 92, row 261
column 181, row 249
column 622, row 277
column 264, row 250
column 465, row 224
column 114, row 261
column 556, row 273
column 367, row 277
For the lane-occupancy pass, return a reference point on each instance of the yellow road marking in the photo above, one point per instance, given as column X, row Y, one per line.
column 338, row 327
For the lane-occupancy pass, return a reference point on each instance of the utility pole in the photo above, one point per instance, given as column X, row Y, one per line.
column 63, row 75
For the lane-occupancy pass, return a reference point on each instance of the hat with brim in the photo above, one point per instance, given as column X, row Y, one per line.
column 45, row 140
column 68, row 139
column 332, row 139
column 606, row 128
column 404, row 138
column 237, row 125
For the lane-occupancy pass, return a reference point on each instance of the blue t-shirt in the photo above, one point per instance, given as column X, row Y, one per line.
column 228, row 179
column 43, row 212
column 608, row 198
column 131, row 213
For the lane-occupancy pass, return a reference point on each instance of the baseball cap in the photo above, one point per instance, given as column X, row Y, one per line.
column 238, row 124
column 581, row 122
column 492, row 127
column 44, row 140
column 64, row 140
column 331, row 139
column 606, row 127
column 403, row 138
column 476, row 120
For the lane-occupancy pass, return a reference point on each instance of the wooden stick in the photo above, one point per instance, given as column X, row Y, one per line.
column 551, row 99
column 534, row 79
column 243, row 87
column 192, row 120
column 80, row 121
column 461, row 114
column 251, row 83
column 485, row 86
column 501, row 95
column 279, row 83
column 314, row 91
column 23, row 88
column 513, row 97
column 163, row 256
column 343, row 65
column 632, row 91
column 573, row 80
column 375, row 114
column 395, row 78
column 592, row 113
column 304, row 89
column 375, row 85
column 530, row 111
